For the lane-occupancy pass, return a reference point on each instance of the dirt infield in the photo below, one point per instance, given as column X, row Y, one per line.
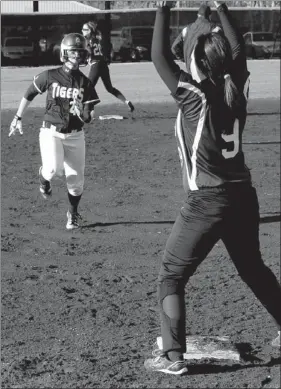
column 79, row 308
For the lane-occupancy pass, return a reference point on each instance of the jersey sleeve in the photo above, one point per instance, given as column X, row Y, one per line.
column 188, row 93
column 40, row 82
column 236, row 41
column 39, row 85
column 161, row 54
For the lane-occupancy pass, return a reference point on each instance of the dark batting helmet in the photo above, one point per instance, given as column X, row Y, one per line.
column 74, row 42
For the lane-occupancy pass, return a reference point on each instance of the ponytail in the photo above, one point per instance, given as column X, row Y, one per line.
column 234, row 99
column 214, row 59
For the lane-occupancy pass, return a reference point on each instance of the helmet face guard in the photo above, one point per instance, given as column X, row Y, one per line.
column 74, row 48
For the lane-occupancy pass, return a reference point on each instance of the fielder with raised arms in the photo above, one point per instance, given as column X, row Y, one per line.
column 70, row 102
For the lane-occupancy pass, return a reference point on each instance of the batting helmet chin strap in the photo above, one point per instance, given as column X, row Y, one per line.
column 71, row 66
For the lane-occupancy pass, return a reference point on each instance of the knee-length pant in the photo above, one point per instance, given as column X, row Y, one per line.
column 232, row 215
column 63, row 153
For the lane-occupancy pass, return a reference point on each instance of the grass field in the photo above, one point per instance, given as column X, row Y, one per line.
column 79, row 308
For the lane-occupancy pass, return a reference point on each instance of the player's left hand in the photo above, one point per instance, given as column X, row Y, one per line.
column 92, row 115
column 77, row 109
column 16, row 125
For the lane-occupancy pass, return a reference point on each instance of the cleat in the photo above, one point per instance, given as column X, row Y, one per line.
column 162, row 364
column 45, row 186
column 130, row 105
column 156, row 351
column 276, row 341
column 72, row 220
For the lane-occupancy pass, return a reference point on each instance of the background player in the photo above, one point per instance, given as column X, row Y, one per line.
column 185, row 41
column 100, row 59
column 221, row 202
column 70, row 100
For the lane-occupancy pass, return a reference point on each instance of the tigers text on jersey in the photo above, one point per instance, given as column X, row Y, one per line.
column 208, row 157
column 63, row 86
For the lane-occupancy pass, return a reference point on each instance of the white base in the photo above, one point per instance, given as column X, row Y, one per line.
column 202, row 347
column 106, row 117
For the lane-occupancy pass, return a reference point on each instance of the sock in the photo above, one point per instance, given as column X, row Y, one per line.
column 175, row 356
column 74, row 201
column 42, row 179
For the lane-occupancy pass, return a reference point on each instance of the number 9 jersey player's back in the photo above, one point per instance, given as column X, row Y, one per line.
column 208, row 138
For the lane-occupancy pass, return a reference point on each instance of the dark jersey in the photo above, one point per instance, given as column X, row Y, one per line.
column 209, row 137
column 208, row 157
column 186, row 40
column 62, row 87
column 200, row 26
column 95, row 47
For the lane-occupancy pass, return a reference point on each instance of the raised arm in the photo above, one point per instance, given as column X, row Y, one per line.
column 161, row 53
column 233, row 36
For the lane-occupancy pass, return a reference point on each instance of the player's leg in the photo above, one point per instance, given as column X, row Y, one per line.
column 94, row 73
column 196, row 230
column 241, row 238
column 106, row 79
column 74, row 165
column 52, row 154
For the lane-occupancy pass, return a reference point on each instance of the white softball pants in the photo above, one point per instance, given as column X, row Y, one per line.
column 63, row 153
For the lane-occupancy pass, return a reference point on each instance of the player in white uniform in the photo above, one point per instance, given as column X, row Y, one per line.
column 70, row 102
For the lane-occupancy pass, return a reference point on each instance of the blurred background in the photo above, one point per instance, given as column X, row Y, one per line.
column 31, row 31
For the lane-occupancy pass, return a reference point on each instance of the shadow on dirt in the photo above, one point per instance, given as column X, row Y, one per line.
column 215, row 369
column 275, row 217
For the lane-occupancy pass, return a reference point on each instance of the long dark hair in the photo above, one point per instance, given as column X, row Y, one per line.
column 92, row 24
column 214, row 58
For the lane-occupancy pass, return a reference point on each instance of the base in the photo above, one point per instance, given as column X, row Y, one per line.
column 107, row 117
column 202, row 347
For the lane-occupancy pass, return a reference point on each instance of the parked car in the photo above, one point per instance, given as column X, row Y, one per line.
column 131, row 43
column 116, row 44
column 261, row 45
column 17, row 48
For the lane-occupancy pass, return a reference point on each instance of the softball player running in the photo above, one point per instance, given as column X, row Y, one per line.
column 221, row 202
column 100, row 59
column 69, row 104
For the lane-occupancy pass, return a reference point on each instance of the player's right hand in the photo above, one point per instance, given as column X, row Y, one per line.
column 218, row 3
column 16, row 125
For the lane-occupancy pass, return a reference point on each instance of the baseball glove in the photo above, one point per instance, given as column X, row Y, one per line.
column 16, row 125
